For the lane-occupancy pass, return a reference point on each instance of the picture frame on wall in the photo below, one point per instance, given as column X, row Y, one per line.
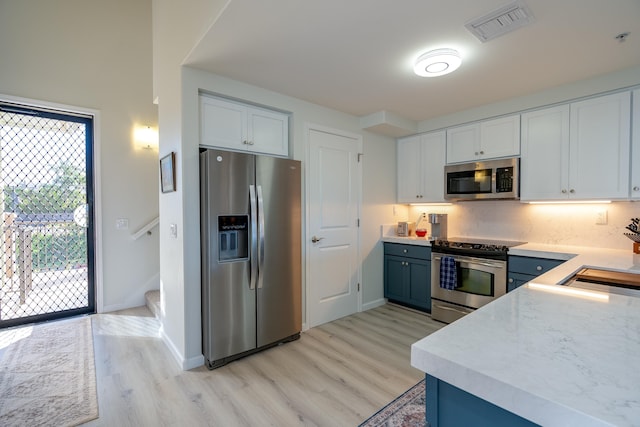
column 168, row 173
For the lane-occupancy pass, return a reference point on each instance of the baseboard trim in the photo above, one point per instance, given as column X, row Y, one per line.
column 374, row 304
column 185, row 364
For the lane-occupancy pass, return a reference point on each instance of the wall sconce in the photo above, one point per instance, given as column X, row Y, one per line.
column 146, row 137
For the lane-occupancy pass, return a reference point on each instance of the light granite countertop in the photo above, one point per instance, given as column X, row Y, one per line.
column 555, row 359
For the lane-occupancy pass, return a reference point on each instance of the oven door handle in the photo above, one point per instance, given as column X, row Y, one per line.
column 474, row 262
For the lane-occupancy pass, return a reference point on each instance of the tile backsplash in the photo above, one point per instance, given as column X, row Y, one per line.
column 560, row 224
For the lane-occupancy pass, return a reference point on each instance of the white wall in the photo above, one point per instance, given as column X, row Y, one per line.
column 96, row 55
column 621, row 79
column 177, row 28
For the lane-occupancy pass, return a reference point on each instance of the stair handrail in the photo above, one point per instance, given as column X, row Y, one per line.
column 146, row 229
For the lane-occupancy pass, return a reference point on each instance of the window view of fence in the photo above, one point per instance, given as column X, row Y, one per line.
column 43, row 248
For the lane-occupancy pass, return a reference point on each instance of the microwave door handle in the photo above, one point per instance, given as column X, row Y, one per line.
column 494, row 181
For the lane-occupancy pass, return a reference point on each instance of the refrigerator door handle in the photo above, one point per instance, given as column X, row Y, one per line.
column 254, row 237
column 261, row 236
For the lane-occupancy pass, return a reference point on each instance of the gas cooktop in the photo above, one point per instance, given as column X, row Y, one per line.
column 476, row 244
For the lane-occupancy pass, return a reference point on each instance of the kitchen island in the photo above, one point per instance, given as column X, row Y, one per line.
column 538, row 355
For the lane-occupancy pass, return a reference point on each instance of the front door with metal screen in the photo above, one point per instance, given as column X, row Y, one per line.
column 46, row 235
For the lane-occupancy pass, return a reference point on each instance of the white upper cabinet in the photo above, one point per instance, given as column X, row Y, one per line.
column 488, row 139
column 599, row 147
column 635, row 148
column 544, row 164
column 577, row 151
column 409, row 168
column 421, row 160
column 433, row 161
column 240, row 127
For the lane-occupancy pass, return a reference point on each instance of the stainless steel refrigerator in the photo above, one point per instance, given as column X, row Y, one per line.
column 250, row 222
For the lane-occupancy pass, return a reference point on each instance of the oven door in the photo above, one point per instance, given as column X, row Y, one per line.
column 479, row 280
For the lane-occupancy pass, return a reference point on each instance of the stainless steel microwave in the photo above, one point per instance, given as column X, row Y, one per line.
column 490, row 179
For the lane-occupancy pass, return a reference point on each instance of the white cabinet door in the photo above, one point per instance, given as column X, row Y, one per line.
column 635, row 147
column 409, row 169
column 420, row 168
column 241, row 127
column 489, row 139
column 544, row 165
column 268, row 132
column 222, row 123
column 500, row 137
column 433, row 160
column 578, row 151
column 600, row 147
column 463, row 143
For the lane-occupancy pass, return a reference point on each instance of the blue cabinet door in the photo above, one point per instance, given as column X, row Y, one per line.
column 516, row 280
column 524, row 269
column 420, row 284
column 407, row 275
column 447, row 405
column 395, row 280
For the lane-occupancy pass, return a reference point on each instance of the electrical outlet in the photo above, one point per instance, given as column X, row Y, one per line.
column 601, row 217
column 173, row 231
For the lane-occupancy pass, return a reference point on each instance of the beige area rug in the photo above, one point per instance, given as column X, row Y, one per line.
column 47, row 375
column 407, row 410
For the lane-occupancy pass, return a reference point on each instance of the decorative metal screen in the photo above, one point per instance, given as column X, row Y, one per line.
column 46, row 229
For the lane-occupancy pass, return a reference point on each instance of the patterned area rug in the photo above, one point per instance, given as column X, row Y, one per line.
column 408, row 410
column 47, row 375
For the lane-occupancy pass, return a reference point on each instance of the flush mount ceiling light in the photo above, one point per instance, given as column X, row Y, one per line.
column 437, row 62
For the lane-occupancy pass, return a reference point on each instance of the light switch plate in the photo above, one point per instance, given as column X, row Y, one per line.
column 122, row 224
column 173, row 231
column 601, row 217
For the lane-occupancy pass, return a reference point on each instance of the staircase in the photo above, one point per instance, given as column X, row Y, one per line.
column 152, row 299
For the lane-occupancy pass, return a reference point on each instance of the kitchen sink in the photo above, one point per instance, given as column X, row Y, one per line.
column 610, row 281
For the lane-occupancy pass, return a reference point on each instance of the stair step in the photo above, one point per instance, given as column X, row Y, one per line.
column 152, row 299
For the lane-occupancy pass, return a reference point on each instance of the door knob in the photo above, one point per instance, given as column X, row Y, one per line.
column 315, row 239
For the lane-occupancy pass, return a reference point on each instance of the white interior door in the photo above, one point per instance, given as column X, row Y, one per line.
column 334, row 182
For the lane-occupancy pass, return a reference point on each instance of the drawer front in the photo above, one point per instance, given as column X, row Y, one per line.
column 411, row 251
column 515, row 280
column 532, row 266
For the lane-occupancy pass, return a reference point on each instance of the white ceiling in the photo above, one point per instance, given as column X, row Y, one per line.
column 356, row 56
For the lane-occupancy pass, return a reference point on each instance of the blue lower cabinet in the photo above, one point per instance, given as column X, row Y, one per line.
column 524, row 269
column 407, row 275
column 449, row 406
column 518, row 279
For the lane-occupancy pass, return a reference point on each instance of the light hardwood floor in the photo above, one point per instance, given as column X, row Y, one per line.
column 337, row 374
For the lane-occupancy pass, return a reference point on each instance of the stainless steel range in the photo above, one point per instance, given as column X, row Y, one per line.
column 466, row 274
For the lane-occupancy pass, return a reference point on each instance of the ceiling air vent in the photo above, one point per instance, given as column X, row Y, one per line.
column 500, row 21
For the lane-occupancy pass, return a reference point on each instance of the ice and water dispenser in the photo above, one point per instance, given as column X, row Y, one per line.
column 233, row 237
